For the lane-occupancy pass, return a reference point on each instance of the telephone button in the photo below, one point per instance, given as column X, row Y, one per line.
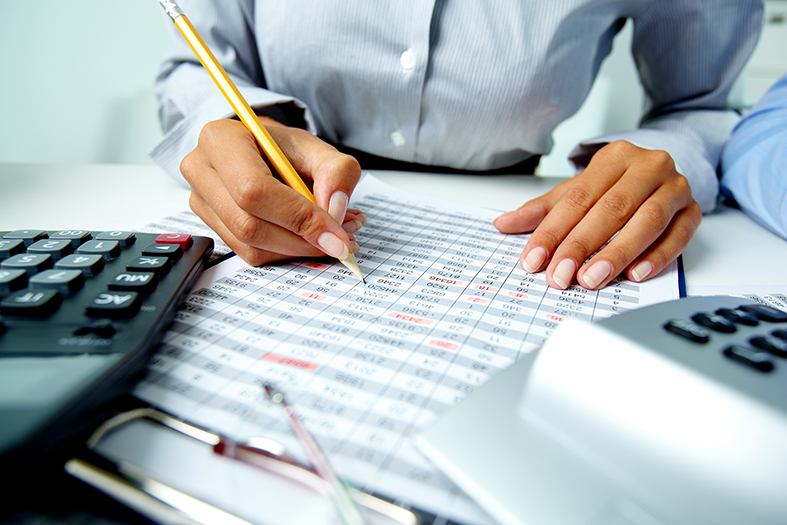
column 716, row 323
column 689, row 330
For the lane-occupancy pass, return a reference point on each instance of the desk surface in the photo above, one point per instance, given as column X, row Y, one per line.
column 728, row 249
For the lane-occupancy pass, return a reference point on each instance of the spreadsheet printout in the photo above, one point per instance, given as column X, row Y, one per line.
column 446, row 306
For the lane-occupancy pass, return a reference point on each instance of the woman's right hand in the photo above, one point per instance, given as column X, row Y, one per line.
column 261, row 218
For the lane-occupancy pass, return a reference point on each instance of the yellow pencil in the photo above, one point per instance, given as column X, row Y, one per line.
column 244, row 111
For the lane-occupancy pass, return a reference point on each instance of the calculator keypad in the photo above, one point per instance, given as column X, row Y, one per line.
column 64, row 282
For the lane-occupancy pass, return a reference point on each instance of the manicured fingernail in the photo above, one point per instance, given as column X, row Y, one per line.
column 564, row 273
column 333, row 246
column 354, row 246
column 363, row 218
column 352, row 226
column 597, row 273
column 641, row 271
column 337, row 206
column 534, row 259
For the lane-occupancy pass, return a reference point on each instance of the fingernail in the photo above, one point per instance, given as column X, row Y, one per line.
column 564, row 273
column 363, row 218
column 337, row 206
column 597, row 273
column 352, row 226
column 534, row 259
column 641, row 271
column 333, row 246
column 354, row 246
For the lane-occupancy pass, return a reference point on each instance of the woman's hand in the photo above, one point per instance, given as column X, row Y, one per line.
column 259, row 217
column 631, row 191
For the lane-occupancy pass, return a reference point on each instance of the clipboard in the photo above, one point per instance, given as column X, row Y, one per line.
column 210, row 479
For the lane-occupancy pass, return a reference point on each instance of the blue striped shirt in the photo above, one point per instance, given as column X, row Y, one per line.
column 465, row 84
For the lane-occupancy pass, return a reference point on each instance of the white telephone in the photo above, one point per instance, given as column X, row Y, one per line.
column 673, row 413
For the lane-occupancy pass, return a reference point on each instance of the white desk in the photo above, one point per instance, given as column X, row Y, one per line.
column 728, row 249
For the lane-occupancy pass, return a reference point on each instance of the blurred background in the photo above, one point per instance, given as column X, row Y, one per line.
column 77, row 81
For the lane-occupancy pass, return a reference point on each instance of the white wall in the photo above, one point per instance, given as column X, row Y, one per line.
column 76, row 80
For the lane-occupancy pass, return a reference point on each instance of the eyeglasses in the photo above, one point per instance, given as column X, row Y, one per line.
column 162, row 502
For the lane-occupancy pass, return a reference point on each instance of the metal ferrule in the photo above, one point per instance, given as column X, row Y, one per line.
column 171, row 8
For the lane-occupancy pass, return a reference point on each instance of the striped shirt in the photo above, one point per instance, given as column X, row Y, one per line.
column 465, row 84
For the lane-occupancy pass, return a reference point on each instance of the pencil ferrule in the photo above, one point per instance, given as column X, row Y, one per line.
column 171, row 8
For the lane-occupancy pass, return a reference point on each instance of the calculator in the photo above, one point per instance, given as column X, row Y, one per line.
column 80, row 314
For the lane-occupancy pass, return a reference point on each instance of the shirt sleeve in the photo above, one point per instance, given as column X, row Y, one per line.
column 688, row 55
column 753, row 161
column 189, row 98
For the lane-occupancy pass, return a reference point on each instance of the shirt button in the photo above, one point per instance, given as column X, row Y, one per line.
column 407, row 60
column 397, row 137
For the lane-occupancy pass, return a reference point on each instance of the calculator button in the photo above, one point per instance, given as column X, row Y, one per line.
column 771, row 344
column 54, row 247
column 114, row 305
column 64, row 281
column 106, row 249
column 157, row 265
column 765, row 313
column 738, row 316
column 183, row 239
column 11, row 281
column 689, row 330
column 90, row 265
column 716, row 323
column 142, row 282
column 30, row 262
column 9, row 247
column 26, row 302
column 758, row 360
column 27, row 236
column 172, row 251
column 125, row 239
column 77, row 237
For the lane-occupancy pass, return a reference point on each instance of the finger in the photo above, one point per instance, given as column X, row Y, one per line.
column 528, row 216
column 235, row 158
column 649, row 223
column 251, row 254
column 334, row 175
column 669, row 245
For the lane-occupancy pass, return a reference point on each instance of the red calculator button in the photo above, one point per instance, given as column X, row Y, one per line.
column 183, row 239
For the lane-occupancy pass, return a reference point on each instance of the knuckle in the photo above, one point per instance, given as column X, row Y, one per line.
column 303, row 222
column 211, row 132
column 579, row 198
column 246, row 228
column 345, row 166
column 249, row 191
column 657, row 216
column 578, row 245
column 618, row 206
column 660, row 160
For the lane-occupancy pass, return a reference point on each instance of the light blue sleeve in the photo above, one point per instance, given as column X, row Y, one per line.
column 754, row 161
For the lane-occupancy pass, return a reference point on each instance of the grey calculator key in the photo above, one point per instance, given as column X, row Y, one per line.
column 9, row 247
column 90, row 265
column 36, row 303
column 27, row 236
column 64, row 281
column 32, row 263
column 125, row 239
column 106, row 249
column 77, row 237
column 12, row 280
column 57, row 248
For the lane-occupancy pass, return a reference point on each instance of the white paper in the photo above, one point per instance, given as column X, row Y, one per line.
column 445, row 308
